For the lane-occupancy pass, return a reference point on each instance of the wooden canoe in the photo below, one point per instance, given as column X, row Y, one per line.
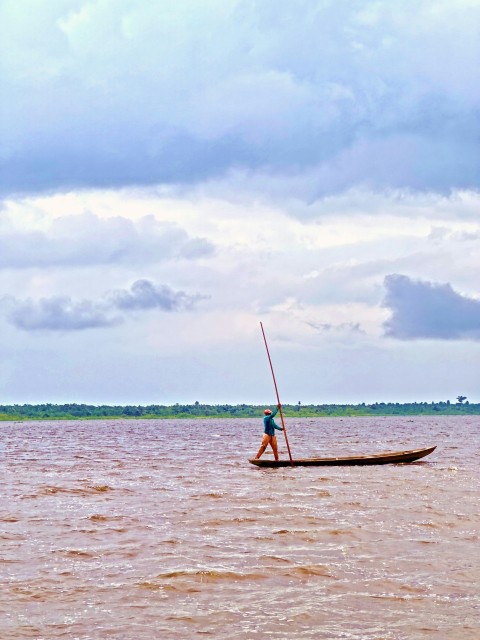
column 376, row 458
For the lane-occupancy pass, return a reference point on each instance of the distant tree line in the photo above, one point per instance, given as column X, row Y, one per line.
column 198, row 410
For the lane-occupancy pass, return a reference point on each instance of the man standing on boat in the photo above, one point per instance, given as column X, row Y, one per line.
column 269, row 437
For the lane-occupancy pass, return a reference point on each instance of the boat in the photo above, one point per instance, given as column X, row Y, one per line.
column 389, row 457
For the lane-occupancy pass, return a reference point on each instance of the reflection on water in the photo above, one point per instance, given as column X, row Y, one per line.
column 161, row 529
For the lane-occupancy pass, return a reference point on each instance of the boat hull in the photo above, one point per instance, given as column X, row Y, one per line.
column 390, row 457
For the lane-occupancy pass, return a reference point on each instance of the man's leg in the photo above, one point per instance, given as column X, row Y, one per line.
column 263, row 446
column 273, row 443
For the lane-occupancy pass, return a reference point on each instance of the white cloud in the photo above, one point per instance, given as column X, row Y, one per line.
column 87, row 240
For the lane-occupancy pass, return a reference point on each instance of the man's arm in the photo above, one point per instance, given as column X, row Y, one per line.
column 275, row 425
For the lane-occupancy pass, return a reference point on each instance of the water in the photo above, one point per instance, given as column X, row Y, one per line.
column 161, row 529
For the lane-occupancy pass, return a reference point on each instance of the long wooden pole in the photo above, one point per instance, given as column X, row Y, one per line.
column 278, row 397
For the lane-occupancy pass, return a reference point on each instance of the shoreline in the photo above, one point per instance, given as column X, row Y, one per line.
column 49, row 412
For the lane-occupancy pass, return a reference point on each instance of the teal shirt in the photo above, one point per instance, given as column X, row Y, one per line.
column 270, row 424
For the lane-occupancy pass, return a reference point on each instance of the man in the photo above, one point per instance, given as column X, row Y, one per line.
column 269, row 437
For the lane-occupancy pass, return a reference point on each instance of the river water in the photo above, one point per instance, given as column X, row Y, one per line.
column 133, row 530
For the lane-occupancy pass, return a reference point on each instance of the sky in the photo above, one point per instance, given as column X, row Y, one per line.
column 173, row 174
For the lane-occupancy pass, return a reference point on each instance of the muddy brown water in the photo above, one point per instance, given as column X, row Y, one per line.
column 133, row 530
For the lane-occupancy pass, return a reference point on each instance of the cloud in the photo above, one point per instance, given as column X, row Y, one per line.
column 429, row 310
column 326, row 327
column 146, row 295
column 87, row 240
column 59, row 313
column 107, row 93
column 62, row 313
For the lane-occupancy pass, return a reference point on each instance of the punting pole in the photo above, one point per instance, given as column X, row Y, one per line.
column 278, row 397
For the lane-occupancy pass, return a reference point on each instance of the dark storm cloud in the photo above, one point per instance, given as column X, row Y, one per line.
column 124, row 92
column 429, row 310
column 87, row 240
column 62, row 313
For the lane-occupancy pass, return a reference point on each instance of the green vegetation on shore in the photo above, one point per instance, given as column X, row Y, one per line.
column 197, row 410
